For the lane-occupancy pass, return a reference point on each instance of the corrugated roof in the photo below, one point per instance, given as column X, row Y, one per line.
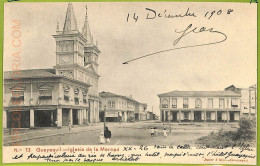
column 32, row 73
column 200, row 94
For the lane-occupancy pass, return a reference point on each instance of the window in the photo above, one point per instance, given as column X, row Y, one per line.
column 174, row 103
column 111, row 104
column 84, row 93
column 66, row 93
column 234, row 103
column 186, row 116
column 164, row 103
column 84, row 98
column 221, row 103
column 45, row 94
column 198, row 103
column 17, row 96
column 210, row 103
column 185, row 103
column 76, row 99
column 208, row 115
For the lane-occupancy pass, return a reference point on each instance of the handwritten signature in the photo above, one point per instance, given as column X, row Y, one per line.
column 184, row 33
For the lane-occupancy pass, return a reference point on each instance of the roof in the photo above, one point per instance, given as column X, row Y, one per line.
column 109, row 94
column 70, row 20
column 200, row 94
column 38, row 73
column 32, row 73
column 86, row 30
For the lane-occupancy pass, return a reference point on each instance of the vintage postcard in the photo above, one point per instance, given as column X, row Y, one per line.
column 130, row 82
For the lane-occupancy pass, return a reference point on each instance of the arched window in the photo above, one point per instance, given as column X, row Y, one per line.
column 165, row 103
column 198, row 103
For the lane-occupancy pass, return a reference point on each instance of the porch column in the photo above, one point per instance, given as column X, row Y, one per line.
column 71, row 116
column 216, row 116
column 84, row 116
column 228, row 118
column 163, row 112
column 52, row 120
column 205, row 116
column 169, row 116
column 179, row 115
column 192, row 115
column 87, row 118
column 79, row 117
column 4, row 118
column 59, row 117
column 31, row 117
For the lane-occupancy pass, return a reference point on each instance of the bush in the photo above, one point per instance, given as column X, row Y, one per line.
column 245, row 134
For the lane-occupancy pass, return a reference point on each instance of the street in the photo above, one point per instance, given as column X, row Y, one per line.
column 137, row 133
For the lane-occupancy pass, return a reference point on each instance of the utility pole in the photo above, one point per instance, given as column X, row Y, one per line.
column 104, row 118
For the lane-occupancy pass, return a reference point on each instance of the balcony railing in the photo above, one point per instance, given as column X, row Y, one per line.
column 185, row 106
column 66, row 98
column 164, row 105
column 174, row 106
column 17, row 100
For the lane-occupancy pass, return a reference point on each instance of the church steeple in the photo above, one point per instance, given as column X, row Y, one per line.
column 70, row 20
column 86, row 30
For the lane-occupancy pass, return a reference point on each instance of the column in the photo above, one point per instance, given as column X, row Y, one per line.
column 31, row 117
column 71, row 116
column 59, row 117
column 216, row 116
column 87, row 118
column 192, row 116
column 52, row 120
column 163, row 116
column 84, row 116
column 4, row 118
column 79, row 117
column 228, row 117
column 205, row 116
column 179, row 115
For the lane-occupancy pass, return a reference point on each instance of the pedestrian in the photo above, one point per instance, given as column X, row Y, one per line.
column 70, row 124
column 155, row 131
column 101, row 138
column 164, row 132
column 152, row 132
column 107, row 134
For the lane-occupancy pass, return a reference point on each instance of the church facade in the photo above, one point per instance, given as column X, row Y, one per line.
column 55, row 96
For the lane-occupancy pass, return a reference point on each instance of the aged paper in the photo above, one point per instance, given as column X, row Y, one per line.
column 130, row 82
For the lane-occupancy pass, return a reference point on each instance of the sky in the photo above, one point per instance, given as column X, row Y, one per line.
column 209, row 67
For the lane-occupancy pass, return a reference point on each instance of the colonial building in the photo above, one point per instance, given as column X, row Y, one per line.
column 201, row 106
column 69, row 91
column 140, row 111
column 248, row 99
column 120, row 108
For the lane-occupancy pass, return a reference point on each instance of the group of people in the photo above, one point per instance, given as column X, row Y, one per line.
column 154, row 132
column 104, row 137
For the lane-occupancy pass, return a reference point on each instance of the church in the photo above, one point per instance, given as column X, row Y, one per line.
column 66, row 93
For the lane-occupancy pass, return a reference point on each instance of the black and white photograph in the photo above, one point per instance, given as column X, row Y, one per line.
column 138, row 82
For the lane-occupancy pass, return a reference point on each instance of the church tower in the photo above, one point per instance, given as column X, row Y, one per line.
column 91, row 51
column 77, row 58
column 70, row 48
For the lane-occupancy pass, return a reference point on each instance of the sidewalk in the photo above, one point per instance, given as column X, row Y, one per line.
column 34, row 133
